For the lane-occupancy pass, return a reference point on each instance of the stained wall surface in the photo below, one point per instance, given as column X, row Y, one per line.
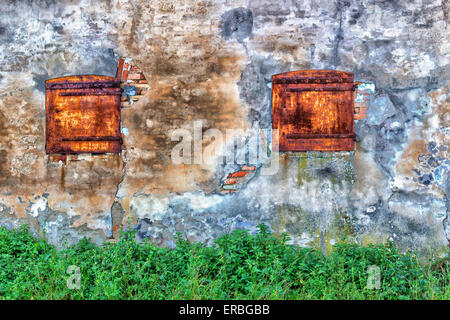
column 213, row 61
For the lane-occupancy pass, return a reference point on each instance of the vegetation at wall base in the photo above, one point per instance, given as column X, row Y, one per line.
column 238, row 266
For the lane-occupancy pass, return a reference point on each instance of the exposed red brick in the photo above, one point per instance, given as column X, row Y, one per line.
column 238, row 174
column 125, row 73
column 248, row 168
column 227, row 191
column 363, row 110
column 120, row 69
column 230, row 181
column 134, row 76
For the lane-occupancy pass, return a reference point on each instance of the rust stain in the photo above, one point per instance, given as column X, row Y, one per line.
column 83, row 115
column 200, row 83
column 313, row 110
column 63, row 178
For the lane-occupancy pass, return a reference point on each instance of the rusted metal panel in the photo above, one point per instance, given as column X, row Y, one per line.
column 313, row 110
column 93, row 92
column 83, row 115
column 312, row 76
column 81, row 82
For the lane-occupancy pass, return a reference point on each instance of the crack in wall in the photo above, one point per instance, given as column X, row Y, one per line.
column 113, row 223
column 335, row 59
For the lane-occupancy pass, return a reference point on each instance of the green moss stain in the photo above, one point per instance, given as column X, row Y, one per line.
column 281, row 220
column 371, row 239
column 328, row 247
column 315, row 243
column 340, row 229
column 348, row 171
column 330, row 170
column 284, row 164
column 344, row 226
column 302, row 171
column 333, row 181
column 310, row 165
column 305, row 221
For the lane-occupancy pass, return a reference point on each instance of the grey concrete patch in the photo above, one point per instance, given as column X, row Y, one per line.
column 237, row 23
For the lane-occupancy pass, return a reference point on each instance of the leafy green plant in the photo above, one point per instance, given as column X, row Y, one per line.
column 238, row 266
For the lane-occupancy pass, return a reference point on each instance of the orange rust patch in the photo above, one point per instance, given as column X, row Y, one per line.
column 313, row 110
column 83, row 115
column 238, row 174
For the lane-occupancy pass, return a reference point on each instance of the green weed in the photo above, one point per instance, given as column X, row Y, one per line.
column 237, row 266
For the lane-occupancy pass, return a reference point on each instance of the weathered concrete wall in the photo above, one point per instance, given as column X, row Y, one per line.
column 213, row 60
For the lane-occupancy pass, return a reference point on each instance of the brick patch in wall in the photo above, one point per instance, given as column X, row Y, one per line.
column 132, row 81
column 233, row 182
column 363, row 94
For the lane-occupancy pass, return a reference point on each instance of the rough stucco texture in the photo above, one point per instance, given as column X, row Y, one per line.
column 213, row 60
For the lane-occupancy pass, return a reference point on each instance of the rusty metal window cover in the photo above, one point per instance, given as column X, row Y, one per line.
column 313, row 110
column 83, row 115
